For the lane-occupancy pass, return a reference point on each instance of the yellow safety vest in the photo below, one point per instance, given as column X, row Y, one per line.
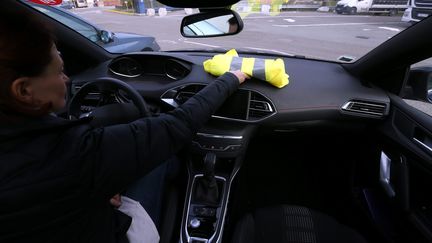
column 270, row 70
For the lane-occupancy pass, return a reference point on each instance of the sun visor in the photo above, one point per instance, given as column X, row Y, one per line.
column 198, row 3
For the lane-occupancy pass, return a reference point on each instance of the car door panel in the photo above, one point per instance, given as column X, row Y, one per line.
column 407, row 139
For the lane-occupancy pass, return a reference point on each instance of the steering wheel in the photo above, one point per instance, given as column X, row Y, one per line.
column 108, row 114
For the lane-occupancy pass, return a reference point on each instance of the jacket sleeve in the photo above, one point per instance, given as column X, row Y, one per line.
column 117, row 155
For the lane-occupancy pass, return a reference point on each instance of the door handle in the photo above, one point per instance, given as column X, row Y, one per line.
column 385, row 167
column 423, row 145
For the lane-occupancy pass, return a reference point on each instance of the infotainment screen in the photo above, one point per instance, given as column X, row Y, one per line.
column 236, row 106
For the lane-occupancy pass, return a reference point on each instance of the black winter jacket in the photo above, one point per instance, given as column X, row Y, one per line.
column 57, row 176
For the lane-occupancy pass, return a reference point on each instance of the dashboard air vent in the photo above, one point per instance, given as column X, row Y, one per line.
column 259, row 107
column 176, row 70
column 366, row 107
column 187, row 92
column 243, row 105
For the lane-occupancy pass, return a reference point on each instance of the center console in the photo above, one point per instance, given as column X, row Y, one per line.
column 216, row 156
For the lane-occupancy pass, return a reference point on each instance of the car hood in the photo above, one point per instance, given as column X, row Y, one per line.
column 126, row 42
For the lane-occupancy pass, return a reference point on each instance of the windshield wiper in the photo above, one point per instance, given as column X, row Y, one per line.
column 219, row 49
column 243, row 50
column 252, row 50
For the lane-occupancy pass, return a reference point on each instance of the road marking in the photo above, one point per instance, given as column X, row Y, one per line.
column 168, row 16
column 200, row 44
column 290, row 20
column 271, row 50
column 109, row 22
column 176, row 15
column 391, row 29
column 89, row 12
column 317, row 25
column 167, row 41
column 366, row 29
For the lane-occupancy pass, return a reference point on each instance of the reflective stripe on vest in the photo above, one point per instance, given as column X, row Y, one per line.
column 259, row 69
column 236, row 63
column 251, row 66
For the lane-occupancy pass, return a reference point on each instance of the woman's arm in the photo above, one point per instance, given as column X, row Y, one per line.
column 120, row 154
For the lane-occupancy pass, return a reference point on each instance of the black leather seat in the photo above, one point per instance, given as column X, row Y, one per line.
column 292, row 224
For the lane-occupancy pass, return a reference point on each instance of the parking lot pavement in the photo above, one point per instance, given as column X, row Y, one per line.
column 312, row 34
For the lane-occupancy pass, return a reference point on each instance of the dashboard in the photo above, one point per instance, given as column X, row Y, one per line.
column 317, row 90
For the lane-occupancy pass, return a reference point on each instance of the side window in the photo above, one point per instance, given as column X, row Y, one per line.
column 69, row 20
column 418, row 90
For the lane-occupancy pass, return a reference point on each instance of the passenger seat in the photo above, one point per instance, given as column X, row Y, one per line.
column 292, row 224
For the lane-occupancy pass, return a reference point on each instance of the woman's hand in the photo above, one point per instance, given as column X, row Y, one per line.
column 240, row 75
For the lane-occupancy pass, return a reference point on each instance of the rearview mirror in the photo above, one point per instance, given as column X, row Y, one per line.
column 219, row 22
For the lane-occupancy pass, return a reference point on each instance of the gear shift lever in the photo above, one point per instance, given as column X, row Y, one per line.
column 206, row 190
column 209, row 164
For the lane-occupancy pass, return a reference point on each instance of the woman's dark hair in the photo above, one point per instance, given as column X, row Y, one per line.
column 25, row 51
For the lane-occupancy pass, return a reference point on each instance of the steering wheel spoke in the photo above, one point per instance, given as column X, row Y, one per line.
column 112, row 105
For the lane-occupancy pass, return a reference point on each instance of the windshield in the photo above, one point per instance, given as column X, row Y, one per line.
column 341, row 31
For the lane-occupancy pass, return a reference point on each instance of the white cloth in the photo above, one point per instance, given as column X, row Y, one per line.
column 142, row 228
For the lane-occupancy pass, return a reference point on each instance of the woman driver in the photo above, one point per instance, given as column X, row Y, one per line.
column 58, row 176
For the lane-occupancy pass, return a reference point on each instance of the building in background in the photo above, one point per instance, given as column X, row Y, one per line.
column 110, row 2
